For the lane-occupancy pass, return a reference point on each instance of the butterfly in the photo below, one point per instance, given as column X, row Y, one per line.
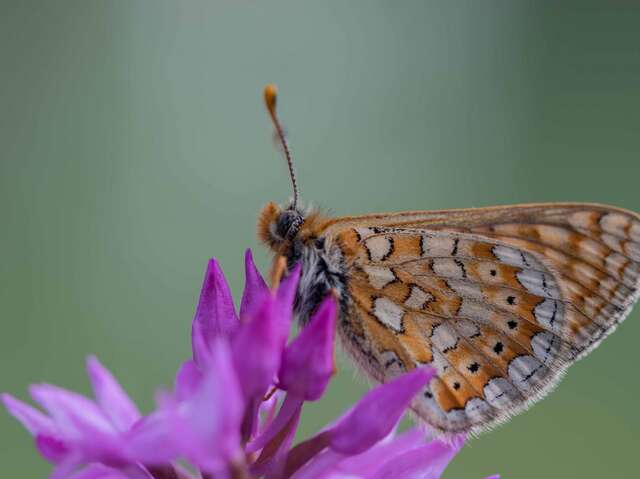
column 500, row 301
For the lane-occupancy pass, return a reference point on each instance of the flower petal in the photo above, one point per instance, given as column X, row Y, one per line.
column 307, row 364
column 375, row 415
column 426, row 462
column 205, row 426
column 290, row 407
column 70, row 411
column 306, row 451
column 254, row 287
column 285, row 300
column 150, row 440
column 288, row 287
column 257, row 348
column 52, row 448
column 115, row 403
column 187, row 381
column 215, row 315
column 33, row 420
column 322, row 467
column 368, row 462
column 64, row 469
column 82, row 425
column 98, row 471
column 268, row 408
column 365, row 424
column 272, row 459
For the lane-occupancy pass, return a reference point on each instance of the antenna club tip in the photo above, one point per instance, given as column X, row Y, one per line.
column 270, row 96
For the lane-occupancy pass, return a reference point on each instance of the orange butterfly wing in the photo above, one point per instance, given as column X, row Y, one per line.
column 499, row 300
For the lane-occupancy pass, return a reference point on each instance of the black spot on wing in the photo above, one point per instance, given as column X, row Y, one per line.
column 474, row 367
column 454, row 251
column 463, row 271
column 555, row 312
column 453, row 347
column 366, row 248
column 391, row 248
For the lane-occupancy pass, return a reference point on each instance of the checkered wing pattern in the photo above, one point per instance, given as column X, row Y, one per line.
column 499, row 300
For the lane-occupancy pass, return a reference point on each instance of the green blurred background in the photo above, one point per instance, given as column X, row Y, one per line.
column 134, row 146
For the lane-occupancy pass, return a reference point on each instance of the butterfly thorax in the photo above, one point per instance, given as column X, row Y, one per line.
column 297, row 235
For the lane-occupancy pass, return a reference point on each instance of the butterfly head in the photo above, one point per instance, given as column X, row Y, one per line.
column 279, row 226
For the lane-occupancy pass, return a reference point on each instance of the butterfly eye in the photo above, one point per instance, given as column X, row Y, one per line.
column 289, row 224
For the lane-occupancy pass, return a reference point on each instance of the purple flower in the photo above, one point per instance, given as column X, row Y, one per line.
column 99, row 471
column 215, row 314
column 202, row 419
column 308, row 363
column 361, row 428
column 75, row 429
column 235, row 406
column 306, row 368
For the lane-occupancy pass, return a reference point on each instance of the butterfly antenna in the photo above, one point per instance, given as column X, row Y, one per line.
column 270, row 96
